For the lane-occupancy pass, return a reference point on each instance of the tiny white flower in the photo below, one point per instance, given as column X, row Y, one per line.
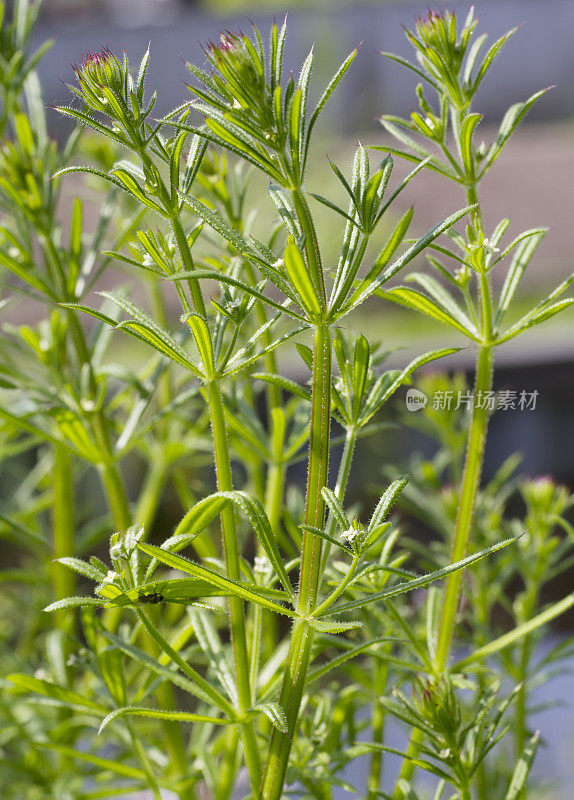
column 110, row 577
column 490, row 247
column 350, row 534
column 147, row 260
column 116, row 550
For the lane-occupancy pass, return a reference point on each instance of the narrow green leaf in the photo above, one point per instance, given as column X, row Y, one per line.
column 142, row 326
column 178, row 590
column 387, row 501
column 337, row 662
column 218, row 223
column 361, row 294
column 491, row 54
column 166, row 672
column 254, row 512
column 509, row 124
column 239, row 362
column 231, row 281
column 328, row 626
column 383, row 390
column 361, row 367
column 301, row 281
column 534, row 318
column 412, row 67
column 283, row 383
column 199, row 517
column 202, row 337
column 466, row 133
column 417, row 301
column 74, row 602
column 174, row 716
column 209, row 641
column 275, row 714
column 83, row 567
column 250, row 593
column 333, row 83
column 96, row 126
column 520, row 261
column 368, row 747
column 518, row 633
column 175, row 160
column 130, row 185
column 423, row 580
column 327, row 537
column 294, row 126
column 104, row 764
column 61, row 694
column 201, row 687
column 336, row 508
column 444, row 299
column 522, row 768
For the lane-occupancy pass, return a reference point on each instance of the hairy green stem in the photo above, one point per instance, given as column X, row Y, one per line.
column 148, row 502
column 264, row 623
column 471, row 477
column 63, row 527
column 227, row 772
column 299, row 655
column 470, row 483
column 380, row 677
column 188, row 265
column 64, row 581
column 116, row 495
column 341, row 485
column 232, row 560
column 525, row 654
column 139, row 749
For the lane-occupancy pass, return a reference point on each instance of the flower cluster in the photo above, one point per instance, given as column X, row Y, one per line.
column 100, row 74
column 239, row 78
column 441, row 50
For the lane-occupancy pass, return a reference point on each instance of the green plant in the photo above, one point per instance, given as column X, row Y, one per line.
column 451, row 66
column 252, row 652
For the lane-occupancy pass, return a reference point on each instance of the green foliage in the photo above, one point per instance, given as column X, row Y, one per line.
column 238, row 628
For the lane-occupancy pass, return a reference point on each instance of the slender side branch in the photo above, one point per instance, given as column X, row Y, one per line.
column 230, row 545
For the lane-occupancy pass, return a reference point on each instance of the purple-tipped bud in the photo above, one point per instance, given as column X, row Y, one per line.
column 97, row 71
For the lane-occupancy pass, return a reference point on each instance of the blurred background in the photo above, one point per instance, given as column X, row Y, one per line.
column 533, row 184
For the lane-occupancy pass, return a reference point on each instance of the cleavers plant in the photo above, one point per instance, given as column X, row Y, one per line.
column 297, row 592
column 450, row 64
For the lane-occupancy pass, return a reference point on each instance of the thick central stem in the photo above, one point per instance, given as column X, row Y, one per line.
column 469, row 489
column 474, row 454
column 302, row 637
